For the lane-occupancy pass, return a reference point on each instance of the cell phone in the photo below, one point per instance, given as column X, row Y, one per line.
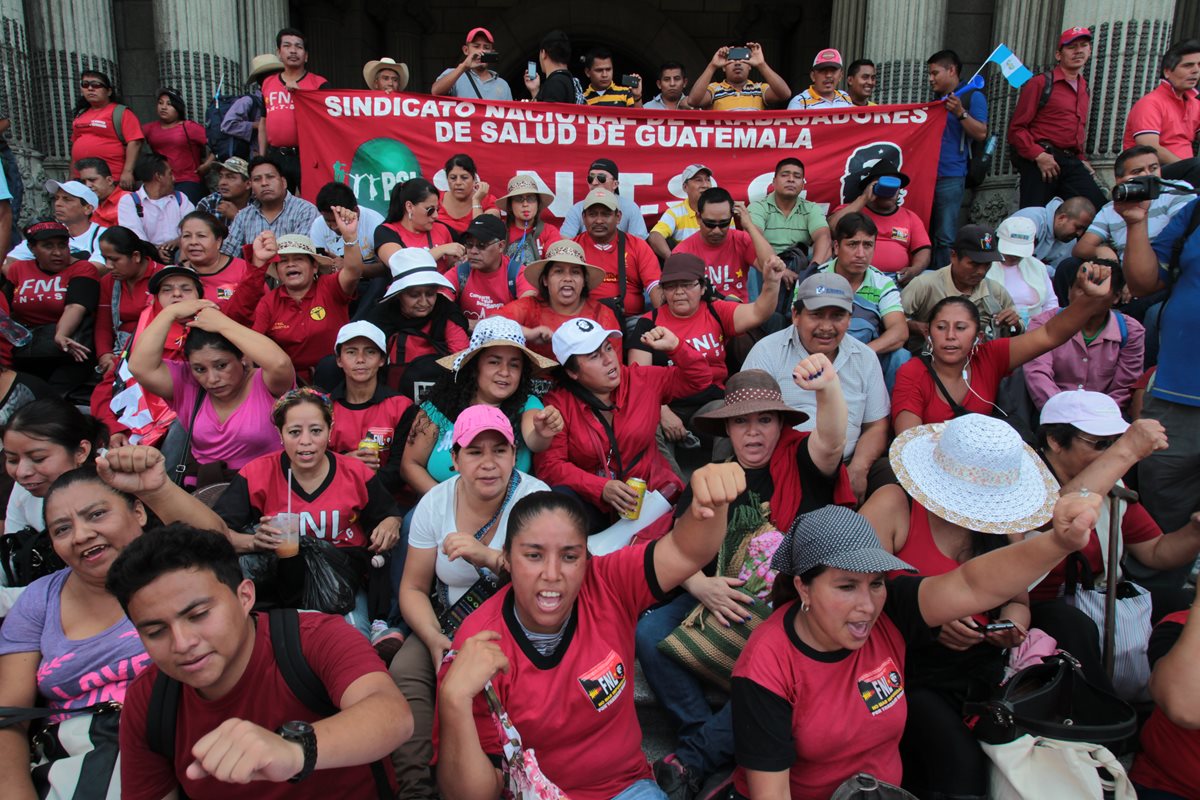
column 1001, row 625
column 530, row 70
column 630, row 80
column 490, row 58
column 738, row 54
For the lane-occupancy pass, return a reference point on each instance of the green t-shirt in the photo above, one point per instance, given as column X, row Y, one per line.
column 784, row 231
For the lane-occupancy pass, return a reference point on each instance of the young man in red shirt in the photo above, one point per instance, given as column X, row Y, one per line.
column 729, row 254
column 602, row 243
column 237, row 720
column 283, row 140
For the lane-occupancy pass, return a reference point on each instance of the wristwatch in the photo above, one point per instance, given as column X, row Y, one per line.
column 303, row 734
column 962, row 116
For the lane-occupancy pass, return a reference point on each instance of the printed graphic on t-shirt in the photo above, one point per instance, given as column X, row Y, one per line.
column 108, row 683
column 325, row 524
column 726, row 278
column 900, row 235
column 36, row 290
column 881, row 688
column 604, row 682
column 317, row 313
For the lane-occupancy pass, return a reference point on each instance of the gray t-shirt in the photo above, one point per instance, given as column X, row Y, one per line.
column 857, row 367
column 492, row 87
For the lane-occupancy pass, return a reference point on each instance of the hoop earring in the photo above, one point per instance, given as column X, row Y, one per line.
column 805, row 607
column 928, row 350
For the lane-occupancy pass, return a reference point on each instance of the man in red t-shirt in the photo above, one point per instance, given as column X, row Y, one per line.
column 902, row 246
column 729, row 254
column 237, row 720
column 487, row 280
column 601, row 242
column 283, row 140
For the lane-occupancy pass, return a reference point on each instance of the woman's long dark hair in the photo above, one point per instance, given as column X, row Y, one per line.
column 55, row 420
column 412, row 191
column 453, row 393
column 126, row 242
column 81, row 103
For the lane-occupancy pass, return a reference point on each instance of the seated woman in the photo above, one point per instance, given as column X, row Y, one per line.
column 67, row 644
column 824, row 677
column 124, row 293
column 458, row 531
column 234, row 283
column 412, row 221
column 564, row 623
column 563, row 281
column 1168, row 768
column 1084, row 440
column 1106, row 355
column 419, row 321
column 467, row 197
column 54, row 296
column 224, row 390
column 610, row 416
column 495, row 370
column 966, row 484
column 696, row 316
column 1026, row 278
column 963, row 372
column 304, row 313
column 787, row 473
column 339, row 499
column 529, row 236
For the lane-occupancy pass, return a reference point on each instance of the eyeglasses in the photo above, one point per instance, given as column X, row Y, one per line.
column 601, row 179
column 92, row 85
column 716, row 223
column 677, row 286
column 1099, row 445
column 477, row 245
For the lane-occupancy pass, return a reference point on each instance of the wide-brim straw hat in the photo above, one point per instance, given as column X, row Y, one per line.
column 263, row 65
column 522, row 185
column 373, row 68
column 300, row 244
column 975, row 472
column 496, row 332
column 751, row 391
column 564, row 251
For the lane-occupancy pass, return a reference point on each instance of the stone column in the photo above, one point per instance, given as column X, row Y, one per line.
column 260, row 20
column 65, row 38
column 14, row 71
column 900, row 35
column 848, row 27
column 194, row 54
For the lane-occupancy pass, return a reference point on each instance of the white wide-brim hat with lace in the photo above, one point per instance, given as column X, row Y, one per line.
column 976, row 472
column 496, row 332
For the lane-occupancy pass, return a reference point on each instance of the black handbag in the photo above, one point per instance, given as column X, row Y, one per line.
column 1053, row 700
column 27, row 555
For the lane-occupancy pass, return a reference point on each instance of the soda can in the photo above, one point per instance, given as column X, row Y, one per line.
column 639, row 486
column 369, row 443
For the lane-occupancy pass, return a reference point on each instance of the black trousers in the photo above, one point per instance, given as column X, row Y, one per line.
column 1073, row 180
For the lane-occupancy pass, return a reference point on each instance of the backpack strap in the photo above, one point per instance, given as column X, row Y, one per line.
column 463, row 272
column 1122, row 327
column 514, row 271
column 161, row 715
column 1047, row 88
column 137, row 204
column 118, row 118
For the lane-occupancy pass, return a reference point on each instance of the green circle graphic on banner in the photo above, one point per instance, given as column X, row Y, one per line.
column 378, row 166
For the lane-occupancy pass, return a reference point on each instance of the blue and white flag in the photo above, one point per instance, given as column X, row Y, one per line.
column 1011, row 67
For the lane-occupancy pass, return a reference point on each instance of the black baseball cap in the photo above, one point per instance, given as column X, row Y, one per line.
column 485, row 228
column 978, row 243
column 606, row 164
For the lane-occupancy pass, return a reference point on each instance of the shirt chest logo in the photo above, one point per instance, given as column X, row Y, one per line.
column 900, row 235
column 881, row 688
column 317, row 313
column 605, row 682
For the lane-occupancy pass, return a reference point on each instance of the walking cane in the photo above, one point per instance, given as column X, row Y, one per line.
column 1115, row 497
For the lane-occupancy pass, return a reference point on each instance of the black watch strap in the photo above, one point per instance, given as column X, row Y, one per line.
column 303, row 734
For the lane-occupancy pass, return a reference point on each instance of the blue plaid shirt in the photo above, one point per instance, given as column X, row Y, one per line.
column 296, row 217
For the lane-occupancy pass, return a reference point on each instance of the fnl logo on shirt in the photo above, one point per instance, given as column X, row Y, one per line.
column 35, row 290
column 325, row 525
column 604, row 682
column 881, row 688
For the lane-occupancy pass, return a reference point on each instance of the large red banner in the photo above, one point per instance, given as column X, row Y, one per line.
column 374, row 141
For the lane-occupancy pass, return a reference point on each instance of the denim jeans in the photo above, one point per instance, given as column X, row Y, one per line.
column 943, row 218
column 642, row 790
column 705, row 738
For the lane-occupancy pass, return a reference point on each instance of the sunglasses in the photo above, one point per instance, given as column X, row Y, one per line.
column 92, row 85
column 473, row 244
column 597, row 179
column 430, row 211
column 1099, row 445
column 717, row 223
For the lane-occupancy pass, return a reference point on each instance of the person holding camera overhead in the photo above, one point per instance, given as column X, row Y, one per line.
column 737, row 92
column 473, row 77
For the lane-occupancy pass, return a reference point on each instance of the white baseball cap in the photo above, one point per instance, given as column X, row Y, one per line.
column 75, row 189
column 579, row 336
column 1091, row 412
column 1017, row 236
column 361, row 330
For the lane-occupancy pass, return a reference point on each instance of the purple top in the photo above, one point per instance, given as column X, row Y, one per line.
column 237, row 441
column 73, row 673
column 1111, row 364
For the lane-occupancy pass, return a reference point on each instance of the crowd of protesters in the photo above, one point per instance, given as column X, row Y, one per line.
column 506, row 462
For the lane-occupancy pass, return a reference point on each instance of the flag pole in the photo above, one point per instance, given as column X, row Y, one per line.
column 986, row 61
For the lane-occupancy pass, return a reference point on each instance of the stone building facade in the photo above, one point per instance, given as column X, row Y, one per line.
column 197, row 47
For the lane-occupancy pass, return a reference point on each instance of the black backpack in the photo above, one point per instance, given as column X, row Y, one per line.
column 163, row 711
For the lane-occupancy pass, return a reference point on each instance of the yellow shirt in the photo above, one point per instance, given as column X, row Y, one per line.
column 614, row 95
column 748, row 98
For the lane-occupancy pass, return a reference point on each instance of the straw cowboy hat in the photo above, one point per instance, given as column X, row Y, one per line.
column 751, row 391
column 262, row 66
column 564, row 251
column 520, row 185
column 496, row 332
column 373, row 68
column 976, row 472
column 300, row 244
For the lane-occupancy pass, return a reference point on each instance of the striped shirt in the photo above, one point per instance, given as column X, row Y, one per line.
column 1110, row 226
column 749, row 97
column 677, row 223
column 614, row 95
column 810, row 99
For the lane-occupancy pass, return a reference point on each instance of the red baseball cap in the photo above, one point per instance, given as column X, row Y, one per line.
column 471, row 34
column 1071, row 34
column 829, row 57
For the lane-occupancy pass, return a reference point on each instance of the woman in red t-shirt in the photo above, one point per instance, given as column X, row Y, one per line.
column 228, row 280
column 131, row 262
column 53, row 296
column 529, row 235
column 182, row 141
column 467, row 197
column 412, row 221
column 563, row 280
column 94, row 131
column 971, row 369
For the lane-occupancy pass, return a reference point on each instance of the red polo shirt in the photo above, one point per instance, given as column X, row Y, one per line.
column 306, row 329
column 106, row 213
column 1174, row 118
column 281, row 109
column 1062, row 121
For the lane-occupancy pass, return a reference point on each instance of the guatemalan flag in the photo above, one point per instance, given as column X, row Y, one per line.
column 1011, row 67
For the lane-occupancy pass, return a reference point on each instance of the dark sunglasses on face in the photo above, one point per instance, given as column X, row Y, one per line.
column 1099, row 445
column 430, row 211
column 473, row 244
column 716, row 223
column 597, row 179
column 92, row 85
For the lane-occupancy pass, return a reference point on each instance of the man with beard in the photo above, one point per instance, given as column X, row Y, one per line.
column 737, row 92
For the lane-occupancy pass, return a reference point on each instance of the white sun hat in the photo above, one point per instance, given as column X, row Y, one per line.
column 496, row 332
column 975, row 471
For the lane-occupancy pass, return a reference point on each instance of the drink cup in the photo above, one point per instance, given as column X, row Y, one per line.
column 288, row 526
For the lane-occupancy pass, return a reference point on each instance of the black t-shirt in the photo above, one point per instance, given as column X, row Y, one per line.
column 24, row 390
column 558, row 87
